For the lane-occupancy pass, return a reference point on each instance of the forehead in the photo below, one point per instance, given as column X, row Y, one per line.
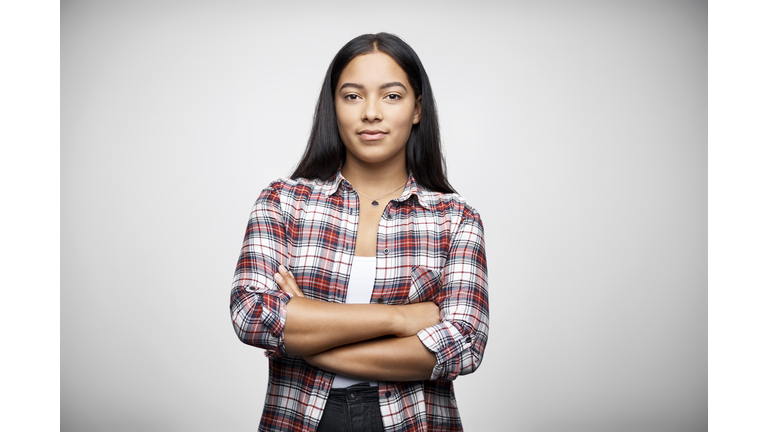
column 373, row 69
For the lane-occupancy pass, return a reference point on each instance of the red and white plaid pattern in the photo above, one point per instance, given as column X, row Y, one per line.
column 430, row 247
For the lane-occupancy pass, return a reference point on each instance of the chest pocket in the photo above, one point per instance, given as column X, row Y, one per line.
column 425, row 284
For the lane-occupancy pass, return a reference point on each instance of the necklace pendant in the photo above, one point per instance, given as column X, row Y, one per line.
column 375, row 203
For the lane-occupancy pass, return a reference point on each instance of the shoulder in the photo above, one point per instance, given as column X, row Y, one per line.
column 294, row 189
column 451, row 204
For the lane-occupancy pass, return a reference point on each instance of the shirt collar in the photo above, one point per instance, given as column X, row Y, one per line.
column 332, row 186
column 411, row 188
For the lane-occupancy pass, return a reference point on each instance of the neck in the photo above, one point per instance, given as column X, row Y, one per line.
column 374, row 179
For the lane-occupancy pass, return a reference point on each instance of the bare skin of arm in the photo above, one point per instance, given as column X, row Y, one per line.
column 388, row 359
column 314, row 326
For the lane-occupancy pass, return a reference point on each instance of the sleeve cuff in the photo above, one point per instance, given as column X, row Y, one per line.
column 450, row 347
column 273, row 312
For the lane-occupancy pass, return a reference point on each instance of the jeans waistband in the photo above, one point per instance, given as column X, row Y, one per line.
column 362, row 392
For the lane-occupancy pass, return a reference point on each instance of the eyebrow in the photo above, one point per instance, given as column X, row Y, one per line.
column 383, row 86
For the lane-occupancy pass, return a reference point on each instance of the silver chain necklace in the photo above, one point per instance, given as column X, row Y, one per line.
column 375, row 202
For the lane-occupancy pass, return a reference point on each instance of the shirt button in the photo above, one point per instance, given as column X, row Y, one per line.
column 388, row 394
column 379, row 300
column 386, row 251
column 469, row 339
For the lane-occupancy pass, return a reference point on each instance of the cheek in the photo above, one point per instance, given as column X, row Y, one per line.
column 404, row 121
column 344, row 121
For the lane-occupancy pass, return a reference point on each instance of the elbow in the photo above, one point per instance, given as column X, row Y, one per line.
column 243, row 332
column 256, row 334
column 247, row 326
column 474, row 359
column 257, row 324
column 472, row 356
column 459, row 349
column 464, row 363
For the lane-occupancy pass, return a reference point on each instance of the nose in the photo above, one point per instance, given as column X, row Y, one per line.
column 371, row 111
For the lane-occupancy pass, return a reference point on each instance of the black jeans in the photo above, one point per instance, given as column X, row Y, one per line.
column 352, row 409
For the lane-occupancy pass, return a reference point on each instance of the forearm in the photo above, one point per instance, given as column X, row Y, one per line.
column 313, row 326
column 388, row 359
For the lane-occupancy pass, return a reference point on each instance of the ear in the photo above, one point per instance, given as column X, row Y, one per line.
column 417, row 111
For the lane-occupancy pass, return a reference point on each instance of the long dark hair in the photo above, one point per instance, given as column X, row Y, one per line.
column 325, row 151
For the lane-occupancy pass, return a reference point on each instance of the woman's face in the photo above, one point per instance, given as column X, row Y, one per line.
column 375, row 109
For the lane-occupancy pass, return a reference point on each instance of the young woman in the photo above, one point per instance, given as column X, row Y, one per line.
column 363, row 276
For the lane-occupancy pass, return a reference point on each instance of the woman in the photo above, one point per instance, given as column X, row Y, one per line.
column 363, row 276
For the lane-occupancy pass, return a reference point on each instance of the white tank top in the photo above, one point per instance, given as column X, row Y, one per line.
column 361, row 279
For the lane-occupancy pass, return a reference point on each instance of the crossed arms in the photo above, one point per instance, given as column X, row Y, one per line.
column 345, row 338
column 371, row 341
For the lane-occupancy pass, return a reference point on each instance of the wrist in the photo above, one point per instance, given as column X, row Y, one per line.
column 398, row 321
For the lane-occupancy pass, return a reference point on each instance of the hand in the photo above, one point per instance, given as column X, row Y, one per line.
column 287, row 282
column 417, row 317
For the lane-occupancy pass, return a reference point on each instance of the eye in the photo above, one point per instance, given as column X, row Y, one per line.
column 393, row 97
column 351, row 97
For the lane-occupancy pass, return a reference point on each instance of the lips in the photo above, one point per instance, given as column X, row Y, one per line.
column 372, row 134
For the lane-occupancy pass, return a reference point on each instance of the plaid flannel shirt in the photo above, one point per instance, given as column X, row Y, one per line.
column 430, row 247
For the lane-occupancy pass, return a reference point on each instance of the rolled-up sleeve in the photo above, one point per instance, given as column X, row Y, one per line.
column 257, row 306
column 458, row 342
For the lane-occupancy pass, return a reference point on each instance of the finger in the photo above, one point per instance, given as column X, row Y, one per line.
column 286, row 286
column 290, row 281
column 282, row 283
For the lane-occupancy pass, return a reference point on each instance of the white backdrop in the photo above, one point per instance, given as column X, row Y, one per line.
column 578, row 129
